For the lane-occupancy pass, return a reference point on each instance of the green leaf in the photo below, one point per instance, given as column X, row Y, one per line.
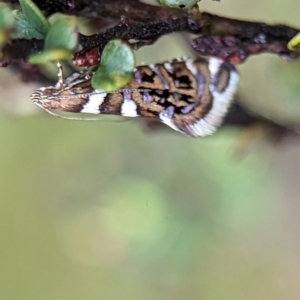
column 50, row 55
column 59, row 43
column 117, row 64
column 6, row 17
column 24, row 29
column 34, row 17
column 62, row 34
column 294, row 43
column 178, row 3
column 6, row 22
column 30, row 22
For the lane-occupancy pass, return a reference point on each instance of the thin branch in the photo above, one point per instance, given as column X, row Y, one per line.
column 233, row 40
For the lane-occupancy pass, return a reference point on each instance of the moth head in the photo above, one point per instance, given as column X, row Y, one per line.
column 43, row 96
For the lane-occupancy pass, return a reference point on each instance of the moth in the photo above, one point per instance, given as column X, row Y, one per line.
column 191, row 96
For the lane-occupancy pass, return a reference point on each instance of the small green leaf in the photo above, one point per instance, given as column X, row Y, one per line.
column 6, row 22
column 6, row 17
column 108, row 82
column 24, row 29
column 59, row 43
column 50, row 55
column 117, row 64
column 294, row 43
column 34, row 17
column 178, row 3
column 62, row 34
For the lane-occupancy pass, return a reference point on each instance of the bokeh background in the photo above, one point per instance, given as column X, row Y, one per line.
column 111, row 210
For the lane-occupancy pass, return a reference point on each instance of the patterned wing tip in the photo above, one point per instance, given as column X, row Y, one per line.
column 222, row 96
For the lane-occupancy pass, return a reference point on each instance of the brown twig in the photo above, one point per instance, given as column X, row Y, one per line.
column 229, row 39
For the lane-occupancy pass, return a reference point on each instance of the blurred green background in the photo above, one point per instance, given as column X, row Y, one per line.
column 109, row 210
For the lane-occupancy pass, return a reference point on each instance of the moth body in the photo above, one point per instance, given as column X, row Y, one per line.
column 190, row 96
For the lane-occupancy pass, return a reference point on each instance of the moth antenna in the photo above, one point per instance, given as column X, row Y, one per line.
column 60, row 81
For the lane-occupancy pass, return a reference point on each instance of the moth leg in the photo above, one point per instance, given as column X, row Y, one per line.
column 60, row 81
